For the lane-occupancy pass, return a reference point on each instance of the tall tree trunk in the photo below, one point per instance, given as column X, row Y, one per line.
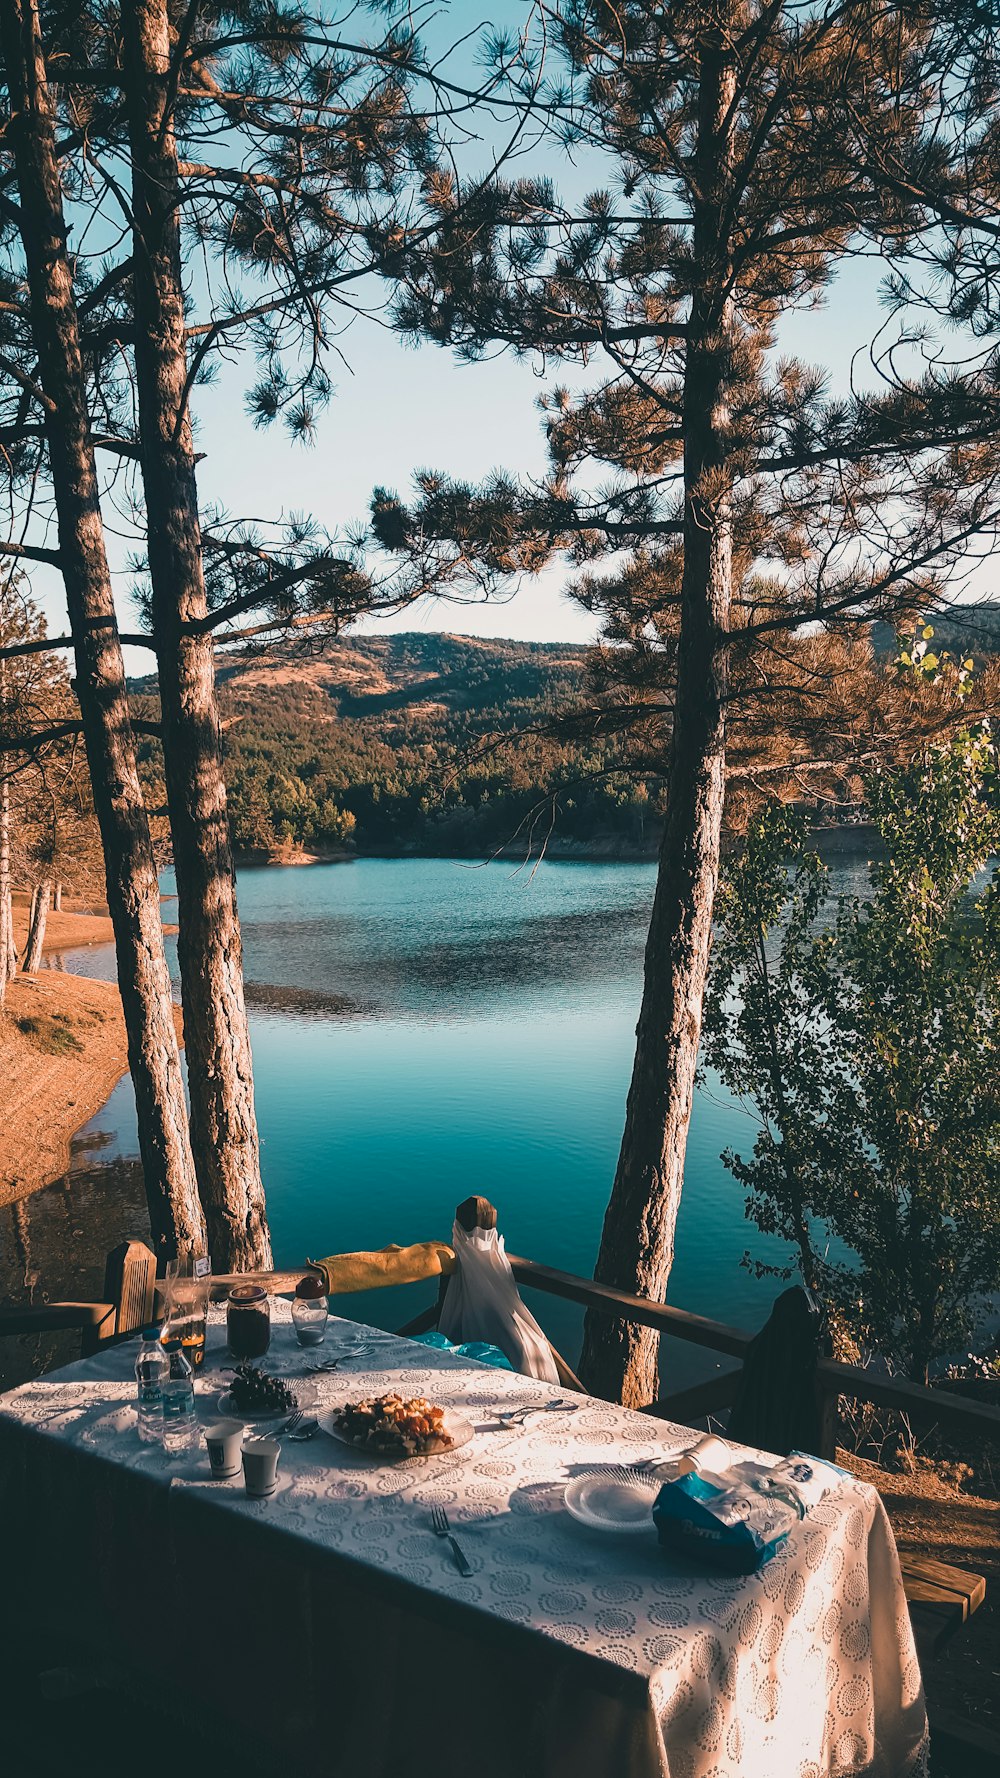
column 220, row 1067
column 6, row 936
column 36, row 929
column 132, row 887
column 637, row 1245
column 57, row 899
column 11, row 946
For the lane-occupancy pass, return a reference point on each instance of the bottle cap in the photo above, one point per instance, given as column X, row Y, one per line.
column 309, row 1288
column 154, row 1331
column 171, row 1345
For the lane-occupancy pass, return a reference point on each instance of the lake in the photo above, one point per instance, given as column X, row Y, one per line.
column 424, row 1029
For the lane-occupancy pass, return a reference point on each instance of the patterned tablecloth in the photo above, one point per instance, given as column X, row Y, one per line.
column 567, row 1651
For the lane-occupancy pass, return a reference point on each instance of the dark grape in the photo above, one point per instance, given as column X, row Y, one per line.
column 253, row 1388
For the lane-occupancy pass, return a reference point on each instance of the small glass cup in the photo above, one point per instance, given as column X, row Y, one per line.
column 310, row 1312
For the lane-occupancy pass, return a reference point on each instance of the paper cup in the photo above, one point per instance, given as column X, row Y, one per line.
column 224, row 1439
column 260, row 1467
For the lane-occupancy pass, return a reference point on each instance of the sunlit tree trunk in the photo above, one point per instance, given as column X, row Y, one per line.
column 6, row 935
column 36, row 929
column 220, row 1068
column 637, row 1244
column 57, row 895
column 132, row 887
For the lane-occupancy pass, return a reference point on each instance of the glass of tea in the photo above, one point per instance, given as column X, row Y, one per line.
column 188, row 1283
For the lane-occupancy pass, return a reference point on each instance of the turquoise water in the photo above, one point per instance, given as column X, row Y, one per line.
column 423, row 1029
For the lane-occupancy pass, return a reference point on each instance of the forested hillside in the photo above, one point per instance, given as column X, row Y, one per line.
column 443, row 744
column 418, row 742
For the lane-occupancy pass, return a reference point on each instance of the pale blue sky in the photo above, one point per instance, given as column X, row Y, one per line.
column 397, row 408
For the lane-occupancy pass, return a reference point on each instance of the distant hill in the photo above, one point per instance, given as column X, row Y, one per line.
column 377, row 742
column 964, row 630
column 427, row 742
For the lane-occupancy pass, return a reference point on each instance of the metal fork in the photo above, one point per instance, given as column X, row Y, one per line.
column 517, row 1416
column 292, row 1421
column 440, row 1527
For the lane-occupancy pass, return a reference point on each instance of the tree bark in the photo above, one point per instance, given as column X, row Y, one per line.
column 5, row 920
column 57, row 899
column 132, row 886
column 36, row 930
column 220, row 1067
column 619, row 1360
column 11, row 946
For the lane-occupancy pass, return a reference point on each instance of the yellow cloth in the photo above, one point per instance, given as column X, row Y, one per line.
column 344, row 1273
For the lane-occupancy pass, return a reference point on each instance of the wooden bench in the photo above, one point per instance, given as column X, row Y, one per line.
column 941, row 1599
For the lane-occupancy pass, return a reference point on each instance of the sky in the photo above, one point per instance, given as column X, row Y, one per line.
column 397, row 408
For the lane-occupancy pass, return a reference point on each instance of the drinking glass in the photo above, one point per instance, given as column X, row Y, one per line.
column 188, row 1282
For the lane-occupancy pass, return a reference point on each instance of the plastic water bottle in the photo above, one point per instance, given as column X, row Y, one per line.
column 180, row 1426
column 152, row 1368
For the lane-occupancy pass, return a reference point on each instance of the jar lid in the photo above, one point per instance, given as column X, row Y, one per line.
column 310, row 1287
column 248, row 1295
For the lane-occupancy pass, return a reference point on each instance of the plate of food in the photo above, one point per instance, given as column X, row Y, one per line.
column 613, row 1499
column 256, row 1394
column 396, row 1428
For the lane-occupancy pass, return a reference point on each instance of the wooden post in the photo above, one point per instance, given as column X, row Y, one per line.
column 129, row 1282
column 828, row 1418
column 476, row 1213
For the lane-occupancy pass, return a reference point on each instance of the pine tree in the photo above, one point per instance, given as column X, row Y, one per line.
column 319, row 141
column 756, row 149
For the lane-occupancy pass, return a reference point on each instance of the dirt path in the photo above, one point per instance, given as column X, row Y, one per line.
column 62, row 1052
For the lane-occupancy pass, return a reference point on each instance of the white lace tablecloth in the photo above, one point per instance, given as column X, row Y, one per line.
column 566, row 1652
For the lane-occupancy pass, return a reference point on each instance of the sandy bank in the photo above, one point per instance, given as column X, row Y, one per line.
column 62, row 1052
column 77, row 923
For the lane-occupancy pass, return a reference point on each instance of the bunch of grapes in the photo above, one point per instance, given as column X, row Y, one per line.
column 252, row 1390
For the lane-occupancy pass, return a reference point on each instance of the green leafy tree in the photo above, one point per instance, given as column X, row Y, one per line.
column 869, row 1045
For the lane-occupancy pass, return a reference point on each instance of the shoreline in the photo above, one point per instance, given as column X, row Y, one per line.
column 63, row 1051
column 831, row 838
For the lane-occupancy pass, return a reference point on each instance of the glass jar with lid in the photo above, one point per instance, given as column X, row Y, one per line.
column 310, row 1312
column 248, row 1321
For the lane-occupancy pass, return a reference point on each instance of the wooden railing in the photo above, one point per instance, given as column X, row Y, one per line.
column 130, row 1287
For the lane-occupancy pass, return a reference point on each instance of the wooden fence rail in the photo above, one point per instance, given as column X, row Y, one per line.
column 129, row 1283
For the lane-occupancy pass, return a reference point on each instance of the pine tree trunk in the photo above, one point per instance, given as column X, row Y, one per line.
column 11, row 946
column 36, row 929
column 132, row 887
column 57, row 899
column 6, row 936
column 637, row 1245
column 220, row 1067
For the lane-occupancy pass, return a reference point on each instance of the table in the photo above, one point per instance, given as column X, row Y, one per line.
column 332, row 1612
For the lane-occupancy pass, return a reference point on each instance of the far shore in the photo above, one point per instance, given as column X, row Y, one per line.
column 831, row 838
column 62, row 1052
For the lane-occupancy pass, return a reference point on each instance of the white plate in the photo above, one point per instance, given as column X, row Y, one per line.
column 459, row 1431
column 613, row 1499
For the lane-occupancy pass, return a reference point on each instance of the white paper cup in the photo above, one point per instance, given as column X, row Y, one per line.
column 260, row 1466
column 224, row 1439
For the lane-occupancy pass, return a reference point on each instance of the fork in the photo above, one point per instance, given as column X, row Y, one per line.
column 292, row 1422
column 440, row 1528
column 304, row 1430
column 517, row 1416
